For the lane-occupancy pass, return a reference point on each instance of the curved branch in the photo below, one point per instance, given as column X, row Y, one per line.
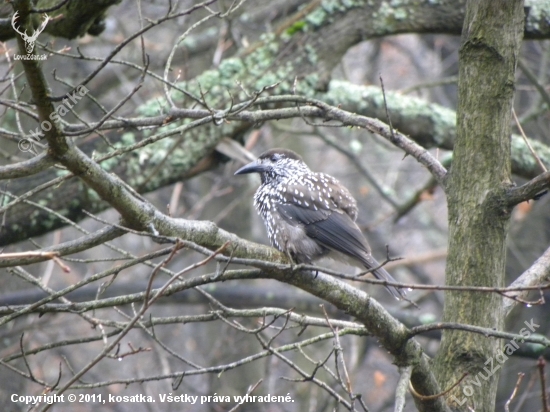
column 537, row 339
column 27, row 168
column 530, row 190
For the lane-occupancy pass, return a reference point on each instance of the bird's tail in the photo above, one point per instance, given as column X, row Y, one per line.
column 382, row 274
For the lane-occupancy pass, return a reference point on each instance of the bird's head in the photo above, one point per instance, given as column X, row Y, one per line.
column 275, row 164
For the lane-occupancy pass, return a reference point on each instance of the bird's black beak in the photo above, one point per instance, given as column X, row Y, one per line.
column 253, row 167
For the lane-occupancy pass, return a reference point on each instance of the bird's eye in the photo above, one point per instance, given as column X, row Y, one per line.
column 274, row 157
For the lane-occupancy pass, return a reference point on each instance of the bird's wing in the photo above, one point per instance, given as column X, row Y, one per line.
column 331, row 228
column 331, row 222
column 319, row 191
column 327, row 212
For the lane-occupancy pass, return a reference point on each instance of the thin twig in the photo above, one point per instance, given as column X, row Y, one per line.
column 537, row 158
column 386, row 107
column 437, row 395
column 544, row 395
column 518, row 382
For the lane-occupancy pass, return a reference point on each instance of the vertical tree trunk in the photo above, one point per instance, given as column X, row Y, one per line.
column 478, row 222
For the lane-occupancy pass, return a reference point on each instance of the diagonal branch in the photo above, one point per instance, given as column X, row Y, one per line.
column 538, row 273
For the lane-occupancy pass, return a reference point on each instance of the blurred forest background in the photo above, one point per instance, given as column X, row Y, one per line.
column 401, row 207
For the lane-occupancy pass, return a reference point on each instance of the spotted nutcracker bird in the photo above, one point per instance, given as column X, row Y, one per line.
column 310, row 215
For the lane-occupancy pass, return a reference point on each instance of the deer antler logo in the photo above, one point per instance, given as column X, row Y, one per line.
column 29, row 40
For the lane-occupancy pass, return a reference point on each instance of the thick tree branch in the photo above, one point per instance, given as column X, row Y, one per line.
column 26, row 168
column 530, row 190
column 78, row 18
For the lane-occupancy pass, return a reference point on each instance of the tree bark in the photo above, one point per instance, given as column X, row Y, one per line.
column 478, row 220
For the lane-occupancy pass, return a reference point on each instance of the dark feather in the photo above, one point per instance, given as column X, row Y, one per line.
column 297, row 215
column 336, row 231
